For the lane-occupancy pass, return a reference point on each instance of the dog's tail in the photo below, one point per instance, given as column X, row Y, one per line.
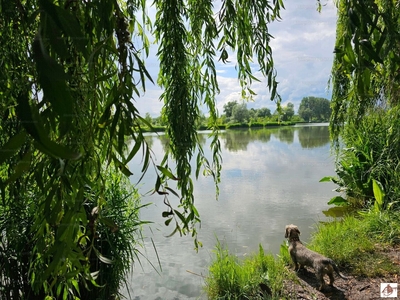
column 335, row 267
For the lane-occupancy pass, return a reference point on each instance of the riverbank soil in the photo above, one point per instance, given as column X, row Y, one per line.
column 355, row 288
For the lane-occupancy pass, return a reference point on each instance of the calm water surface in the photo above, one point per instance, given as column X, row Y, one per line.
column 269, row 179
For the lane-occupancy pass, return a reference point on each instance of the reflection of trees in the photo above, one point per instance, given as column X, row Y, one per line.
column 263, row 135
column 313, row 136
column 236, row 140
column 202, row 138
column 285, row 134
column 149, row 140
column 164, row 142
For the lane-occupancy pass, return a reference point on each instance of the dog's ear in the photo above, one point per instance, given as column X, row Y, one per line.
column 286, row 231
column 297, row 230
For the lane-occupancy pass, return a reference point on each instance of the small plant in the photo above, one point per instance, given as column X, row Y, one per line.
column 284, row 254
column 227, row 279
column 260, row 276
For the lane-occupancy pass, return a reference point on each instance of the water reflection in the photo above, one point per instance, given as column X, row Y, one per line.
column 314, row 136
column 286, row 134
column 269, row 179
column 238, row 139
column 309, row 136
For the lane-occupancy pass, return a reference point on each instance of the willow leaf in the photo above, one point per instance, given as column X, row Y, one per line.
column 12, row 146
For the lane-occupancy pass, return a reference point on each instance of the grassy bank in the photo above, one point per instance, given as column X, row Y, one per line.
column 355, row 243
column 258, row 276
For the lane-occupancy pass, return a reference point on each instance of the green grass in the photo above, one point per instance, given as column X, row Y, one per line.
column 231, row 278
column 353, row 242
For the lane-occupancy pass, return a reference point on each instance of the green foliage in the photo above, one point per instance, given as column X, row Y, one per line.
column 365, row 102
column 339, row 201
column 186, row 33
column 284, row 254
column 154, row 128
column 105, row 246
column 230, row 278
column 228, row 108
column 256, row 124
column 71, row 72
column 383, row 226
column 240, row 114
column 272, row 124
column 364, row 73
column 67, row 87
column 367, row 167
column 352, row 242
column 237, row 125
column 263, row 112
column 379, row 195
column 117, row 231
column 227, row 279
column 342, row 241
column 287, row 112
column 315, row 109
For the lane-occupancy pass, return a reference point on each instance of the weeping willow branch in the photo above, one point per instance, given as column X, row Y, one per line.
column 187, row 32
column 365, row 73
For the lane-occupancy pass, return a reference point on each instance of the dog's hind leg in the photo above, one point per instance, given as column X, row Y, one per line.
column 319, row 273
column 330, row 274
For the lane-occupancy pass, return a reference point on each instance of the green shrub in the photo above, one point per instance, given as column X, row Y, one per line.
column 236, row 125
column 108, row 234
column 352, row 242
column 256, row 124
column 117, row 238
column 280, row 123
column 231, row 278
column 370, row 153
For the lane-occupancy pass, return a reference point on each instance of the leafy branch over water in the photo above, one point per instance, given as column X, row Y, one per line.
column 71, row 72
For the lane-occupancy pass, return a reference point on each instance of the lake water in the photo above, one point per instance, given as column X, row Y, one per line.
column 270, row 178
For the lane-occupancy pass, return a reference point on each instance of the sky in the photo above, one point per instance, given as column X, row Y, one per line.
column 302, row 51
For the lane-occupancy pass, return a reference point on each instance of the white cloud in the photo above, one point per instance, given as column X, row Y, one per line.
column 303, row 55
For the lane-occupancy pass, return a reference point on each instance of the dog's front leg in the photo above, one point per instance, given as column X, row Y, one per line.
column 296, row 265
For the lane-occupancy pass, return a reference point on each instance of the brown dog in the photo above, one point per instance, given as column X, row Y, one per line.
column 302, row 256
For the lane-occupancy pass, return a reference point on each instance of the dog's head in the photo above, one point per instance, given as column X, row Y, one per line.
column 292, row 231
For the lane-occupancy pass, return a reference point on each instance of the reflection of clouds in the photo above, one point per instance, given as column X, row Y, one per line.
column 279, row 185
column 262, row 189
column 303, row 53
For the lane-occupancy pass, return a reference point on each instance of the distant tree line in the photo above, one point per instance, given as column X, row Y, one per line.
column 311, row 109
column 235, row 112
